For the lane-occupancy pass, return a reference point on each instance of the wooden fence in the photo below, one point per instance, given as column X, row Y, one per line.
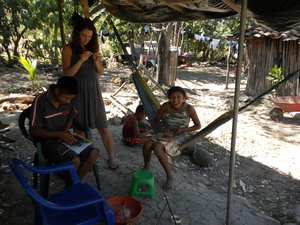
column 263, row 54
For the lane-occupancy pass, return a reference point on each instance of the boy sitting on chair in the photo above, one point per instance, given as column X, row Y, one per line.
column 51, row 117
column 134, row 128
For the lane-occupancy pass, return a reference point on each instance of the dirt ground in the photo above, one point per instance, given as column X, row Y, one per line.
column 267, row 171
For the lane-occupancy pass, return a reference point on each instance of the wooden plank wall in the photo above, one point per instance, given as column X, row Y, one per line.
column 264, row 53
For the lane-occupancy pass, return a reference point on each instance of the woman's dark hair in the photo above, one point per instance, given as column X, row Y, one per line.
column 80, row 25
column 67, row 85
column 139, row 109
column 177, row 89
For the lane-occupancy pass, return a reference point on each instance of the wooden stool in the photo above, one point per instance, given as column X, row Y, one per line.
column 142, row 177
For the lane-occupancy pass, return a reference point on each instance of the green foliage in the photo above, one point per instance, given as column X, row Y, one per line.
column 30, row 66
column 275, row 76
column 14, row 15
column 31, row 28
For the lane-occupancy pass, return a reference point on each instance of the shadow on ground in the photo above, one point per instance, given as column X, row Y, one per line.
column 199, row 195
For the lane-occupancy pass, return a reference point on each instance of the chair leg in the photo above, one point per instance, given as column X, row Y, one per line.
column 35, row 176
column 44, row 185
column 96, row 172
column 43, row 178
column 37, row 218
column 88, row 135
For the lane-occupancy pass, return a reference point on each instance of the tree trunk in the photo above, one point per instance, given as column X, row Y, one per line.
column 163, row 51
column 171, row 67
column 61, row 22
column 132, row 47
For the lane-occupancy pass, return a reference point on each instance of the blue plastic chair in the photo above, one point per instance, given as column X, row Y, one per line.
column 39, row 157
column 78, row 204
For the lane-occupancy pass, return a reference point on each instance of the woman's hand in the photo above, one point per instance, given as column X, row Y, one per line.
column 85, row 55
column 98, row 62
column 165, row 130
column 97, row 57
column 179, row 131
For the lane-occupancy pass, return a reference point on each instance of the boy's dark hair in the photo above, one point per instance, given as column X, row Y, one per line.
column 177, row 89
column 139, row 109
column 67, row 85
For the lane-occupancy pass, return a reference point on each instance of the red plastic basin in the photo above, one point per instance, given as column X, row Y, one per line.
column 126, row 210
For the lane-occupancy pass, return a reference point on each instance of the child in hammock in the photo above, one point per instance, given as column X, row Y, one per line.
column 135, row 129
column 173, row 119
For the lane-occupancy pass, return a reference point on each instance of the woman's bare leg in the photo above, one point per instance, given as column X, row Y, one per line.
column 107, row 142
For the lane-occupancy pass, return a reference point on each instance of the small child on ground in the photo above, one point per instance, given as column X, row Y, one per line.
column 133, row 129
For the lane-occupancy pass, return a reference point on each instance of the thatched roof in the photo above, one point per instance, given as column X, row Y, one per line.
column 280, row 15
column 259, row 32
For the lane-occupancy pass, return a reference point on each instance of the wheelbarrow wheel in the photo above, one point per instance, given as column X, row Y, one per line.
column 276, row 114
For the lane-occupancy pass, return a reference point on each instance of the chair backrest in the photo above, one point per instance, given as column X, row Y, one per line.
column 23, row 117
column 23, row 122
column 23, row 172
column 78, row 204
column 20, row 169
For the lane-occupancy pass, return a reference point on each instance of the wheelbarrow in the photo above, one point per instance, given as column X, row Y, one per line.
column 284, row 104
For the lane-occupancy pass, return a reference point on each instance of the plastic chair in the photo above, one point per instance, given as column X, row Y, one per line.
column 142, row 177
column 78, row 204
column 39, row 157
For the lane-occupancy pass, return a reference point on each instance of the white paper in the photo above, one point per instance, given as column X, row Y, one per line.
column 80, row 145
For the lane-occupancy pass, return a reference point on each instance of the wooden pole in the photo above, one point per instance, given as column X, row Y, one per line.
column 235, row 111
column 85, row 8
column 61, row 22
column 228, row 67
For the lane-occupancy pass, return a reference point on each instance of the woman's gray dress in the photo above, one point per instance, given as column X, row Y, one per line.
column 89, row 102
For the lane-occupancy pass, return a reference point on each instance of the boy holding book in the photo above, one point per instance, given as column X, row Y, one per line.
column 50, row 120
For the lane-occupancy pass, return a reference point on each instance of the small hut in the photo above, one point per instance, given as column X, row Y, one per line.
column 265, row 49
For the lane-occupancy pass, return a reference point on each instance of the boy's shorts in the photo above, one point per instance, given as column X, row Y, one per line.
column 131, row 141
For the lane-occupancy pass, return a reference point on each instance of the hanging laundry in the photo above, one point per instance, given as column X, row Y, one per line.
column 199, row 37
column 214, row 43
column 147, row 29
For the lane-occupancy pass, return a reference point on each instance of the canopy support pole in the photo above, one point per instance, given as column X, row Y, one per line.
column 236, row 110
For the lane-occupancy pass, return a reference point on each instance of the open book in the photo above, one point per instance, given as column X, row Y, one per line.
column 82, row 143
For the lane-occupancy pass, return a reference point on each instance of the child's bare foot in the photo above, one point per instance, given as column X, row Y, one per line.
column 169, row 184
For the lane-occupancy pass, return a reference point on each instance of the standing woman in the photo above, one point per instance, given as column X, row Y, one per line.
column 81, row 59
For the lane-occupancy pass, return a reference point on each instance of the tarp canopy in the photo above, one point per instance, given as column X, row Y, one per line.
column 279, row 15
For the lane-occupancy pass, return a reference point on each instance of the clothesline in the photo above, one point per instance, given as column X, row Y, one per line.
column 213, row 42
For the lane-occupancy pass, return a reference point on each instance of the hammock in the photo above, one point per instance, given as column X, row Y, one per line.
column 151, row 105
column 150, row 102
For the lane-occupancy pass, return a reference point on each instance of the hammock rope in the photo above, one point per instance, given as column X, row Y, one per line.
column 147, row 97
column 229, row 115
